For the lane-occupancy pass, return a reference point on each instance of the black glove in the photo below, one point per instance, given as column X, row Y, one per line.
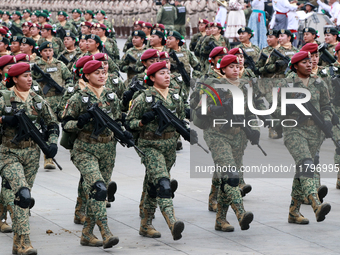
column 83, row 120
column 217, row 110
column 254, row 137
column 193, row 137
column 187, row 113
column 290, row 108
column 127, row 96
column 335, row 119
column 11, row 121
column 280, row 63
column 328, row 129
column 52, row 151
column 128, row 135
column 148, row 117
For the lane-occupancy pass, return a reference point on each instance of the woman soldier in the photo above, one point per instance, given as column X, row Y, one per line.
column 160, row 151
column 20, row 162
column 109, row 44
column 227, row 146
column 303, row 140
column 245, row 73
column 94, row 158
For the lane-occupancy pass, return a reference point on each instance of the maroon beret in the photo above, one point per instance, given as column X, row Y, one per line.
column 92, row 66
column 4, row 27
column 27, row 23
column 3, row 31
column 147, row 24
column 99, row 25
column 86, row 23
column 6, row 60
column 17, row 69
column 47, row 26
column 35, row 25
column 150, row 53
column 154, row 68
column 140, row 22
column 21, row 57
column 301, row 55
column 157, row 25
column 82, row 61
column 100, row 57
column 311, row 47
column 235, row 51
column 164, row 55
column 214, row 24
column 227, row 60
column 203, row 21
column 337, row 47
column 218, row 51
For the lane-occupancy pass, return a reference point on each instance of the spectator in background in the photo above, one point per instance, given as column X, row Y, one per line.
column 334, row 10
column 236, row 19
column 257, row 23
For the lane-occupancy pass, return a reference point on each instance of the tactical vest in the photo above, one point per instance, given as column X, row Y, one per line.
column 181, row 12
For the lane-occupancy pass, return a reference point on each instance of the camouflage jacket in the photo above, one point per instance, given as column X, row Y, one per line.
column 128, row 41
column 262, row 61
column 113, row 67
column 194, row 40
column 206, row 49
column 197, row 49
column 76, row 23
column 142, row 104
column 252, row 51
column 331, row 50
column 71, row 56
column 127, row 66
column 320, row 98
column 36, row 108
column 35, row 87
column 67, row 27
column 58, row 72
column 79, row 103
column 17, row 25
column 189, row 60
column 272, row 68
column 58, row 45
column 116, row 84
column 112, row 48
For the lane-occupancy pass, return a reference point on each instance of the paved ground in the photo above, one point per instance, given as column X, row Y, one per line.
column 55, row 193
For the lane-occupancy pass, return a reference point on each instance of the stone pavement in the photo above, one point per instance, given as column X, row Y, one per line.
column 56, row 191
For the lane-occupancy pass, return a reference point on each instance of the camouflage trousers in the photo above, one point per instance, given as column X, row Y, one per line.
column 95, row 163
column 302, row 142
column 54, row 101
column 19, row 167
column 227, row 150
column 180, row 29
column 160, row 155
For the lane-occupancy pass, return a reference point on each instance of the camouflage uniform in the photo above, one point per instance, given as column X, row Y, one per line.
column 126, row 66
column 67, row 27
column 128, row 41
column 331, row 49
column 189, row 60
column 18, row 25
column 227, row 148
column 205, row 49
column 160, row 153
column 116, row 84
column 58, row 45
column 194, row 40
column 112, row 48
column 252, row 51
column 72, row 56
column 94, row 159
column 59, row 73
column 113, row 67
column 303, row 140
column 19, row 164
column 76, row 23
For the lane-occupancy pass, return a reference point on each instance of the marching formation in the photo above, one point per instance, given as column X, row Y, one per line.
column 64, row 79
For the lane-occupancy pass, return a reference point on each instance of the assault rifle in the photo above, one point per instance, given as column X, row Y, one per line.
column 180, row 68
column 167, row 118
column 326, row 56
column 26, row 129
column 286, row 59
column 102, row 121
column 130, row 58
column 48, row 80
column 249, row 61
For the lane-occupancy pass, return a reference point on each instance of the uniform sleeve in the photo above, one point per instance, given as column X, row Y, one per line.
column 70, row 114
column 51, row 122
column 135, row 113
column 159, row 15
column 325, row 103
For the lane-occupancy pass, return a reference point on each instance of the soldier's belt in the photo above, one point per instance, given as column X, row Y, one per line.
column 86, row 138
column 6, row 141
column 230, row 131
column 153, row 136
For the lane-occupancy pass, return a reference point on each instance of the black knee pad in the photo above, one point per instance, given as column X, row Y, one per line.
column 23, row 198
column 152, row 190
column 7, row 185
column 98, row 191
column 305, row 169
column 163, row 188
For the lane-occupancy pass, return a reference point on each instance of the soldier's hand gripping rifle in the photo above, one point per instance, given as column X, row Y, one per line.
column 278, row 54
column 26, row 129
column 248, row 60
column 228, row 106
column 326, row 56
column 15, row 30
column 180, row 68
column 317, row 118
column 167, row 118
column 102, row 121
column 130, row 59
column 48, row 80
